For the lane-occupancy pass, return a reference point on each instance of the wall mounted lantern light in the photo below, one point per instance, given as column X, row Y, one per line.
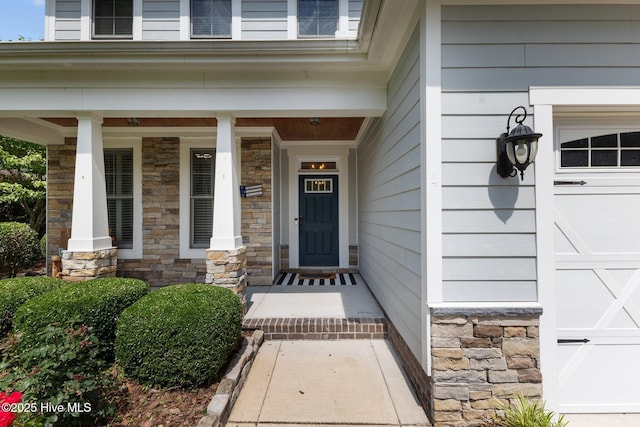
column 518, row 148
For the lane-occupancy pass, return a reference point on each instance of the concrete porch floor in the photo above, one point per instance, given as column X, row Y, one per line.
column 339, row 301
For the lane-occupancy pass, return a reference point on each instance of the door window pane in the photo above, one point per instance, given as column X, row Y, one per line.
column 575, row 159
column 613, row 150
column 604, row 158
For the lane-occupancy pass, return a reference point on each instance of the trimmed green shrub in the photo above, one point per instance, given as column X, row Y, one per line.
column 43, row 246
column 181, row 335
column 16, row 291
column 19, row 247
column 96, row 303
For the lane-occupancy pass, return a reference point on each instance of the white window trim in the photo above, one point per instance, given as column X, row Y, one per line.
column 136, row 144
column 547, row 101
column 186, row 144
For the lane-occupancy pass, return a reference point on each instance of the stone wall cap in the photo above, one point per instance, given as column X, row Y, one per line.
column 530, row 309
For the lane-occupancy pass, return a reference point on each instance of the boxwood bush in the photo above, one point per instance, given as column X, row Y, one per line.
column 16, row 291
column 19, row 247
column 181, row 335
column 96, row 303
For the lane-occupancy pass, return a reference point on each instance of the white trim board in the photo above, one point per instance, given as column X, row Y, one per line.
column 431, row 161
column 339, row 154
column 136, row 145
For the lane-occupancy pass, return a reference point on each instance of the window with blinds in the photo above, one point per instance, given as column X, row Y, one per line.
column 113, row 18
column 118, row 164
column 317, row 18
column 202, row 179
column 211, row 18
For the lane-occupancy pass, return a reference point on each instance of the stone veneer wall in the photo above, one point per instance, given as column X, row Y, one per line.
column 257, row 225
column 61, row 161
column 161, row 264
column 78, row 266
column 481, row 357
column 353, row 258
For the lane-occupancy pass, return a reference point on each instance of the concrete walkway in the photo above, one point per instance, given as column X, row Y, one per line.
column 603, row 420
column 347, row 382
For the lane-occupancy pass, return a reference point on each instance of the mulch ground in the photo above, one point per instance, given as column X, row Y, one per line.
column 150, row 407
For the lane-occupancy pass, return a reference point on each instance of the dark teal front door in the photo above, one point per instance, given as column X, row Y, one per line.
column 318, row 220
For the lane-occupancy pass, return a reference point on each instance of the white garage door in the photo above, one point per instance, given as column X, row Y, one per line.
column 597, row 212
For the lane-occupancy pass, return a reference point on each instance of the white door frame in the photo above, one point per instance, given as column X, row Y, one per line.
column 547, row 101
column 333, row 153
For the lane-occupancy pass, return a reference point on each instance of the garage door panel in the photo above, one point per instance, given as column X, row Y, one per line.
column 583, row 297
column 597, row 248
column 614, row 232
column 586, row 387
column 622, row 320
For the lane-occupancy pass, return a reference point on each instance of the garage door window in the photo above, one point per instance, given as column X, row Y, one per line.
column 615, row 150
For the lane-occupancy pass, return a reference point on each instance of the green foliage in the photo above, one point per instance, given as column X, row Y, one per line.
column 43, row 246
column 65, row 369
column 16, row 291
column 526, row 413
column 23, row 169
column 181, row 335
column 97, row 303
column 19, row 247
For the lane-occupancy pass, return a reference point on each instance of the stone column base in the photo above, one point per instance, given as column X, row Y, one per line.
column 228, row 269
column 481, row 357
column 79, row 266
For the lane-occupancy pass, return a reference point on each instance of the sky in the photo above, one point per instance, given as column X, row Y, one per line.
column 21, row 18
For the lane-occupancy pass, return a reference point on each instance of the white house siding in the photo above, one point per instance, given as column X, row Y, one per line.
column 389, row 201
column 264, row 20
column 355, row 11
column 161, row 20
column 67, row 20
column 491, row 55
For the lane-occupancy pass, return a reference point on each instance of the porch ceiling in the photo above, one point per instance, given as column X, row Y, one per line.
column 289, row 129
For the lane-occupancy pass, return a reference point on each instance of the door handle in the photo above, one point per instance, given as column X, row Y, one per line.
column 573, row 341
column 298, row 220
column 569, row 182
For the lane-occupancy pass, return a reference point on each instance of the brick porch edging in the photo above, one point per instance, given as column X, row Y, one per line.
column 220, row 406
column 320, row 328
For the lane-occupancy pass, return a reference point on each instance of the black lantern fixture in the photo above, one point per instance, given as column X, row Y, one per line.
column 518, row 148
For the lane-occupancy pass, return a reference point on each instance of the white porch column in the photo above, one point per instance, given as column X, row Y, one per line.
column 89, row 222
column 226, row 196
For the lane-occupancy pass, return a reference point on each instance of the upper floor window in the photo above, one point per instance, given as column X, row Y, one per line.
column 317, row 17
column 211, row 18
column 113, row 18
